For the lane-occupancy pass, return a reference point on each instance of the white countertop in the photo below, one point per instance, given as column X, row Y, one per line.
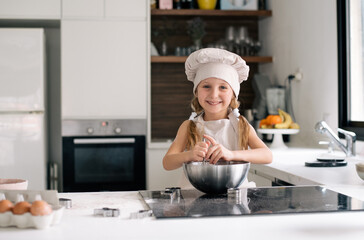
column 79, row 222
column 289, row 165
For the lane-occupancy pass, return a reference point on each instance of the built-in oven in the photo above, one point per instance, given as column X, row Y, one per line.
column 103, row 155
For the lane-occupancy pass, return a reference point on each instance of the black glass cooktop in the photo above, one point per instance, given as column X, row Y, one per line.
column 175, row 203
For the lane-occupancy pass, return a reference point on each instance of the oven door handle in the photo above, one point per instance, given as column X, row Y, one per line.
column 102, row 141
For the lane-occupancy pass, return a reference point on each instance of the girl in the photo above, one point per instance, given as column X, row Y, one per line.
column 216, row 75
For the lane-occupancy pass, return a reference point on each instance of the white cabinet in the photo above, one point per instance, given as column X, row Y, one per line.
column 104, row 69
column 157, row 177
column 30, row 9
column 107, row 9
column 104, row 52
column 126, row 8
column 82, row 8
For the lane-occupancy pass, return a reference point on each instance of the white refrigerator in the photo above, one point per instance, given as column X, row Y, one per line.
column 22, row 106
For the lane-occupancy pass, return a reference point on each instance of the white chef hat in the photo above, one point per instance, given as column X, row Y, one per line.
column 218, row 63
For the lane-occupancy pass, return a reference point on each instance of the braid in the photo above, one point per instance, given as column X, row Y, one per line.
column 244, row 127
column 193, row 136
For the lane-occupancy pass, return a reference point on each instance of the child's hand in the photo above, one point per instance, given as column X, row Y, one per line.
column 199, row 151
column 217, row 151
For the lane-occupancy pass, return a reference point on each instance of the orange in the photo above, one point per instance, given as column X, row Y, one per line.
column 274, row 119
column 263, row 122
column 270, row 120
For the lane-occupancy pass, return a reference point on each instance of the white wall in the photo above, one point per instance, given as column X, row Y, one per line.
column 302, row 34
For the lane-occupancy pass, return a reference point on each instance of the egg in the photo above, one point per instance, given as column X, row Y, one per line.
column 40, row 208
column 6, row 205
column 21, row 207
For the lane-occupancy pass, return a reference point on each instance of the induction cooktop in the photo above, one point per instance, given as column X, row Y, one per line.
column 177, row 203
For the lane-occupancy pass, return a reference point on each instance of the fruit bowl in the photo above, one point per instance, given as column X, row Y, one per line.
column 278, row 138
column 282, row 121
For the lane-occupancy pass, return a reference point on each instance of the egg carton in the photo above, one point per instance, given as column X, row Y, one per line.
column 50, row 196
column 27, row 220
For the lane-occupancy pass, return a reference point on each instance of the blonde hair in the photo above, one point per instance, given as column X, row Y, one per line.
column 194, row 136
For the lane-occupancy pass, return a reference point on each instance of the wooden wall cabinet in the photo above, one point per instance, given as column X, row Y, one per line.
column 170, row 92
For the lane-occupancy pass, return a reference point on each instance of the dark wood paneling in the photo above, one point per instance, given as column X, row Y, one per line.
column 171, row 95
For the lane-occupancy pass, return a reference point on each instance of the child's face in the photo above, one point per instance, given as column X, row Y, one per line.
column 214, row 95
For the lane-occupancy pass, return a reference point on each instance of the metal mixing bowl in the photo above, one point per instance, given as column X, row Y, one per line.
column 216, row 178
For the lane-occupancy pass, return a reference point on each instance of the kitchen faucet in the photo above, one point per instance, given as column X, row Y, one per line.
column 350, row 137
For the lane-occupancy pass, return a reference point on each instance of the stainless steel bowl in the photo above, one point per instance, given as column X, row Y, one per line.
column 216, row 179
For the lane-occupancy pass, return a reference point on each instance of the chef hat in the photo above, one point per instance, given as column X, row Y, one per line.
column 218, row 63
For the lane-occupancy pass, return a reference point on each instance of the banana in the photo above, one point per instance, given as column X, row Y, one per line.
column 287, row 120
column 294, row 126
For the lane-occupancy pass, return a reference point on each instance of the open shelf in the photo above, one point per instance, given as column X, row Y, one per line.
column 182, row 59
column 214, row 13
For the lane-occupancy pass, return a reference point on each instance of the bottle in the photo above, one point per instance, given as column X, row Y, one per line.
column 189, row 4
column 177, row 4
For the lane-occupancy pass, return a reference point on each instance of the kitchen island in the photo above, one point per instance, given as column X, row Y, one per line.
column 79, row 222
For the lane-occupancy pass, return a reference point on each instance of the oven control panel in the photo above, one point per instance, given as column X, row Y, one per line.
column 104, row 127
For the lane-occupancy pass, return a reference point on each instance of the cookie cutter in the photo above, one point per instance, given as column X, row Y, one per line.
column 107, row 212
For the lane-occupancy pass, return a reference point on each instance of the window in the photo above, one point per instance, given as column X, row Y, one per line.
column 350, row 15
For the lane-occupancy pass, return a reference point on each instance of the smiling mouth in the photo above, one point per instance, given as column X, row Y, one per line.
column 213, row 103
